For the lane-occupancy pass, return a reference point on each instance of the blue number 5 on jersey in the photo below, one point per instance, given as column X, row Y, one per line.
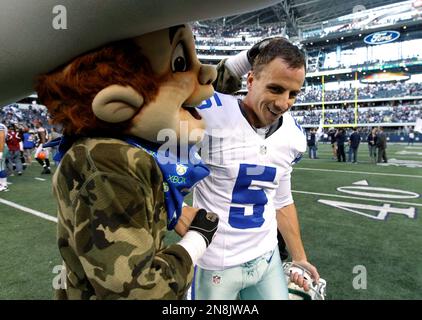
column 242, row 195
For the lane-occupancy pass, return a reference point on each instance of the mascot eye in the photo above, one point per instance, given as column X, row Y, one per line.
column 178, row 60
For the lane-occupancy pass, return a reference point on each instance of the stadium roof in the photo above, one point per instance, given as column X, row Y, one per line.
column 298, row 14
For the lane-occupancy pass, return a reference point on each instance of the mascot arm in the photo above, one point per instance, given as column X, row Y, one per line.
column 231, row 70
column 127, row 255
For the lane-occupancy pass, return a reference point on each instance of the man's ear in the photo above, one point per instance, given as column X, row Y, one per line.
column 117, row 103
column 249, row 79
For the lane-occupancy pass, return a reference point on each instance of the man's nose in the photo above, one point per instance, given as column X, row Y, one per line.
column 207, row 74
column 283, row 102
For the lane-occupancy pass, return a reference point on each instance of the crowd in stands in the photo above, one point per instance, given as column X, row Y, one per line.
column 211, row 43
column 384, row 90
column 214, row 52
column 229, row 31
column 23, row 116
column 396, row 114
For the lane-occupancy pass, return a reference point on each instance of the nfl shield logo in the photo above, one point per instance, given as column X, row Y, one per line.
column 263, row 149
column 216, row 279
column 181, row 169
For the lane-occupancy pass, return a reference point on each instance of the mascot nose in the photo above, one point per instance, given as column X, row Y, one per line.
column 207, row 75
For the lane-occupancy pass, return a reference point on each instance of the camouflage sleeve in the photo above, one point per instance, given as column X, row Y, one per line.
column 112, row 225
column 226, row 81
column 120, row 255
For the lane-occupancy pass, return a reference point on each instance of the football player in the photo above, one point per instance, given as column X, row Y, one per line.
column 250, row 147
column 41, row 153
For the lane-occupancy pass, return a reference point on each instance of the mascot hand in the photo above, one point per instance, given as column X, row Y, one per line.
column 256, row 49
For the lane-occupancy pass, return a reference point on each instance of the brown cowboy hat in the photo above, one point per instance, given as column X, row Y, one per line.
column 38, row 36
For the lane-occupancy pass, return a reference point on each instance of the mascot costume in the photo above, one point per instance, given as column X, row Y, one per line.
column 123, row 79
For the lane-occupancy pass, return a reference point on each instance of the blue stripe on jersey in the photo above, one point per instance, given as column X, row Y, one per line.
column 298, row 125
column 208, row 104
column 298, row 158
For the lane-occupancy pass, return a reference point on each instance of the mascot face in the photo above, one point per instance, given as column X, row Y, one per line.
column 184, row 84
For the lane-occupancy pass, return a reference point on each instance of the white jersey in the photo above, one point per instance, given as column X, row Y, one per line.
column 249, row 180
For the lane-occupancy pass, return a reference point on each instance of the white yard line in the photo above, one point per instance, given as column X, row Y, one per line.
column 362, row 172
column 29, row 210
column 40, row 179
column 357, row 198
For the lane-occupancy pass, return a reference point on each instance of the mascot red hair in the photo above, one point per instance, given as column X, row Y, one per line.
column 116, row 199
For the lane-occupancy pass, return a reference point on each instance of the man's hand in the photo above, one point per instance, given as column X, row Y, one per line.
column 185, row 220
column 299, row 276
column 205, row 223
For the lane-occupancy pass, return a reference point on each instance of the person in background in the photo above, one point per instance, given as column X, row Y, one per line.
column 42, row 138
column 28, row 145
column 411, row 139
column 13, row 141
column 3, row 152
column 354, row 142
column 332, row 137
column 311, row 142
column 349, row 149
column 381, row 145
column 340, row 140
column 372, row 145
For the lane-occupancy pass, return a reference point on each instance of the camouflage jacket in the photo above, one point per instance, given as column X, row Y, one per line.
column 111, row 225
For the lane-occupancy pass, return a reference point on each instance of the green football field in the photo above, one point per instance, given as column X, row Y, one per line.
column 360, row 226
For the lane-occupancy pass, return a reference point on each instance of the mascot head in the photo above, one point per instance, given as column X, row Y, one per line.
column 137, row 86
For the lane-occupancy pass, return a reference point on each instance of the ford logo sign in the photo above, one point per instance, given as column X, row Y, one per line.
column 382, row 37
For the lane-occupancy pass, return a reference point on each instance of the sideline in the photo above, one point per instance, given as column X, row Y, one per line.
column 29, row 210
